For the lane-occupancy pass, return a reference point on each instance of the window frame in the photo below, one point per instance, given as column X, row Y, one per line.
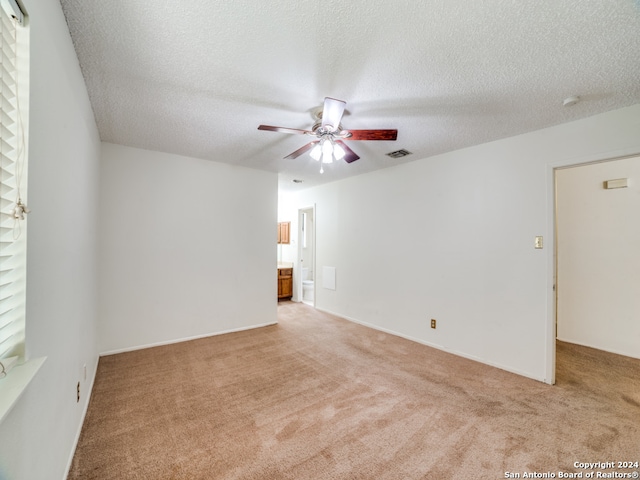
column 17, row 375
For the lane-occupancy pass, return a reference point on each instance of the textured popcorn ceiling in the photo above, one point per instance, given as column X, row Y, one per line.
column 197, row 78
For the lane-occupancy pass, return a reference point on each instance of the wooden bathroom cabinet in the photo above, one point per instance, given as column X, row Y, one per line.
column 284, row 232
column 285, row 283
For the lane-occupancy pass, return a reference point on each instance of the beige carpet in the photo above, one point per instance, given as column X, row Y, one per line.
column 317, row 397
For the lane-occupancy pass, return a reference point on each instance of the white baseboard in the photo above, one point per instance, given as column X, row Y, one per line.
column 85, row 409
column 185, row 339
column 436, row 346
column 596, row 347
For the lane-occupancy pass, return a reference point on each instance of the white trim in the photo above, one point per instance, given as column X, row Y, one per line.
column 299, row 290
column 618, row 154
column 598, row 348
column 85, row 409
column 433, row 345
column 550, row 323
column 16, row 382
column 186, row 339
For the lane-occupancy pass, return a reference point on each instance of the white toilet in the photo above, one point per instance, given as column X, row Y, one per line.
column 307, row 286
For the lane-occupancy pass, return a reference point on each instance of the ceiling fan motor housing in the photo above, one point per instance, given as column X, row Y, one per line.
column 320, row 131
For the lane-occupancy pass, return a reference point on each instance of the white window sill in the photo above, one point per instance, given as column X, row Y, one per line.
column 16, row 382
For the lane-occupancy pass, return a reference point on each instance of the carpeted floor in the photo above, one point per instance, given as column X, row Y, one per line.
column 317, row 397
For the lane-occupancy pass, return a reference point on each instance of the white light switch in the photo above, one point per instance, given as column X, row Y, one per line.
column 538, row 242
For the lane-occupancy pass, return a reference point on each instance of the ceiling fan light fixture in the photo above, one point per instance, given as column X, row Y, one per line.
column 338, row 151
column 327, row 151
column 316, row 152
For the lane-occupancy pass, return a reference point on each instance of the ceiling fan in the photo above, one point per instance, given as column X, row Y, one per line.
column 329, row 135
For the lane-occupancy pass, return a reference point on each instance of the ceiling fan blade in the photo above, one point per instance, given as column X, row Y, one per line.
column 332, row 112
column 270, row 128
column 349, row 155
column 301, row 150
column 372, row 135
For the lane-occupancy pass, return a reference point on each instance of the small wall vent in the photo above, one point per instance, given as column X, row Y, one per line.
column 399, row 153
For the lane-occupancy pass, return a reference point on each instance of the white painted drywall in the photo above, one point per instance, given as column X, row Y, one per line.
column 186, row 248
column 598, row 256
column 452, row 238
column 39, row 434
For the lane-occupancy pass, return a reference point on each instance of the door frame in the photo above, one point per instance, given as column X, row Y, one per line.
column 552, row 248
column 298, row 265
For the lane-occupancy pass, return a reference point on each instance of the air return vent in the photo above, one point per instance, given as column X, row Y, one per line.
column 399, row 153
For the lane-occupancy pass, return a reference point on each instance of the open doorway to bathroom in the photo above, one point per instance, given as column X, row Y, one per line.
column 307, row 254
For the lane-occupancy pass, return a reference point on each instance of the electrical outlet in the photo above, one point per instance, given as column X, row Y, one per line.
column 78, row 393
column 433, row 323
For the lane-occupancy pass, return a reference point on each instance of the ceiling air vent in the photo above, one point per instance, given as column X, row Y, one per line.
column 399, row 153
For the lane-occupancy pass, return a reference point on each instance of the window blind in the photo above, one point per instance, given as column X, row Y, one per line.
column 12, row 188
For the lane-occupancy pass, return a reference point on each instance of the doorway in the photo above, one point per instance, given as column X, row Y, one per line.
column 306, row 284
column 597, row 262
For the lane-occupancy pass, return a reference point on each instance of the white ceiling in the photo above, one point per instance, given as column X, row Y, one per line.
column 197, row 78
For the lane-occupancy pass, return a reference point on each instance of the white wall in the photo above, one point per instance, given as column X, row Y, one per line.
column 186, row 248
column 598, row 257
column 39, row 434
column 452, row 238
